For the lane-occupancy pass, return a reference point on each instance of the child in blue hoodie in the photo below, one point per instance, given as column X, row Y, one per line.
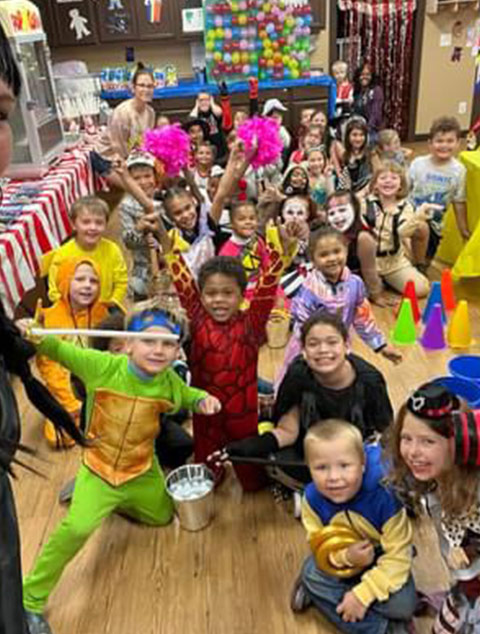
column 358, row 574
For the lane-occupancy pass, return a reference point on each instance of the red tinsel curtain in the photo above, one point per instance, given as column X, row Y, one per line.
column 381, row 32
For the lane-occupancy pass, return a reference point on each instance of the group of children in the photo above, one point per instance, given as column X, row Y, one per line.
column 319, row 233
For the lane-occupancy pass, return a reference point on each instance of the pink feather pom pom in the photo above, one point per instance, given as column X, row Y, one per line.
column 170, row 145
column 265, row 134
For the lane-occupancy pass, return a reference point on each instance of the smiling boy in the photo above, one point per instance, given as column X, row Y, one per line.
column 125, row 395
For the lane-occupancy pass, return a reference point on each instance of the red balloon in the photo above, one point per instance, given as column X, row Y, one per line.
column 262, row 62
column 237, row 68
column 234, row 20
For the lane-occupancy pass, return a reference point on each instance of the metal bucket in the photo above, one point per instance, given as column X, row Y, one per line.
column 191, row 488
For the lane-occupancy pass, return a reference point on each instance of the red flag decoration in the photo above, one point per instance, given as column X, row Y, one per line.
column 380, row 32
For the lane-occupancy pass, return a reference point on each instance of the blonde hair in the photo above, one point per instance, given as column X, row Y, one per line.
column 387, row 136
column 92, row 204
column 339, row 64
column 332, row 429
column 394, row 168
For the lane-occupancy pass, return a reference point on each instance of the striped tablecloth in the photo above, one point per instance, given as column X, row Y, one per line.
column 40, row 224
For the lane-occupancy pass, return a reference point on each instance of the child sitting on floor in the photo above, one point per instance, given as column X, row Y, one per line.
column 389, row 148
column 359, row 572
column 392, row 219
column 125, row 395
column 89, row 219
column 332, row 287
column 78, row 282
column 320, row 178
column 225, row 342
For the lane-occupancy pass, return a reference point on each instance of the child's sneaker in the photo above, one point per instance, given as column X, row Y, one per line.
column 299, row 599
column 37, row 623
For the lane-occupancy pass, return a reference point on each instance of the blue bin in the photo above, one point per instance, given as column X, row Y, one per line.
column 463, row 388
column 466, row 366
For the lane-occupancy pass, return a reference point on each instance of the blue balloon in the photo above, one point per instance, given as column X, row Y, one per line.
column 286, row 73
column 209, row 22
column 227, row 20
column 219, row 45
column 254, row 69
column 236, row 33
column 259, row 45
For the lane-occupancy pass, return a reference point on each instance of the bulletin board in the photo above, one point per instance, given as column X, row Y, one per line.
column 265, row 39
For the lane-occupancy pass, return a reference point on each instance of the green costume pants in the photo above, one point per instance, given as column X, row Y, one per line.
column 145, row 499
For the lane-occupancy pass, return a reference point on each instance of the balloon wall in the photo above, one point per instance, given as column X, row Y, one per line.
column 268, row 39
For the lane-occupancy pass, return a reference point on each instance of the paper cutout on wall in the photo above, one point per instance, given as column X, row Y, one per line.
column 115, row 5
column 154, row 11
column 78, row 23
column 457, row 54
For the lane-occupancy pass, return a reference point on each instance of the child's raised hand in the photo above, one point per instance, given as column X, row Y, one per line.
column 351, row 609
column 361, row 554
column 393, row 355
column 289, row 233
column 427, row 210
column 209, row 405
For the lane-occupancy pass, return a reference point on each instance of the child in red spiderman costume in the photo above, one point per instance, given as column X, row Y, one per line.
column 225, row 340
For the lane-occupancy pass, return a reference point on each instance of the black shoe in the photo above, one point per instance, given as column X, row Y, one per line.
column 37, row 623
column 299, row 599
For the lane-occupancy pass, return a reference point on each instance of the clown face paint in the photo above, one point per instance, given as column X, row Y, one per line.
column 341, row 214
column 295, row 208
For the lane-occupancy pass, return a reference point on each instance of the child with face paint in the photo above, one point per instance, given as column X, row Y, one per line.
column 332, row 287
column 392, row 220
column 343, row 213
column 435, row 465
column 125, row 395
column 297, row 209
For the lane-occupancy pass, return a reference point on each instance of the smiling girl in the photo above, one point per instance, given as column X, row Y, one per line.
column 393, row 220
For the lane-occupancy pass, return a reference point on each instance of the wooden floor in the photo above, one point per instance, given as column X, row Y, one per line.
column 234, row 577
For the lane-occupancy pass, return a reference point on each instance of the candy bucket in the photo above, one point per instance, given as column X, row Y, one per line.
column 191, row 488
column 466, row 366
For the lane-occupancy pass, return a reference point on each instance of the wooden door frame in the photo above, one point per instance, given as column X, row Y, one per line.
column 417, row 55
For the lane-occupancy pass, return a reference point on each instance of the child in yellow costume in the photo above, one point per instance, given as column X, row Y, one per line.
column 125, row 395
column 78, row 283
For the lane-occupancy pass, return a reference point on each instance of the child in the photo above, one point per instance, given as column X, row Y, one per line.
column 125, row 395
column 354, row 159
column 332, row 287
column 195, row 229
column 162, row 120
column 208, row 111
column 439, row 179
column 435, row 464
column 78, row 281
column 392, row 220
column 204, row 160
column 89, row 219
column 142, row 169
column 225, row 343
column 359, row 572
column 246, row 245
column 344, row 102
column 343, row 213
column 295, row 181
column 320, row 177
column 312, row 139
column 389, row 148
column 325, row 381
column 274, row 109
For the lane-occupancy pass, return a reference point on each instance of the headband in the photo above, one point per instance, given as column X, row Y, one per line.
column 148, row 318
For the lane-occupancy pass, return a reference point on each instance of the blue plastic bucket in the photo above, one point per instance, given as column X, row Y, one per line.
column 463, row 388
column 466, row 366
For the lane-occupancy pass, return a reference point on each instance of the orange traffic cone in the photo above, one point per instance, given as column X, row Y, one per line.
column 448, row 295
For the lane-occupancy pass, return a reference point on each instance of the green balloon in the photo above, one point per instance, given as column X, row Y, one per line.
column 253, row 58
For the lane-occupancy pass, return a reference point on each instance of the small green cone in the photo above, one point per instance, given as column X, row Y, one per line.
column 404, row 333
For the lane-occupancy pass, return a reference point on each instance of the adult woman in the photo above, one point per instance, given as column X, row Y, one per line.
column 14, row 355
column 124, row 133
column 325, row 382
column 435, row 467
column 368, row 99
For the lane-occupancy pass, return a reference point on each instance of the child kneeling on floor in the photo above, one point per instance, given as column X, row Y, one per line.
column 359, row 573
column 125, row 395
